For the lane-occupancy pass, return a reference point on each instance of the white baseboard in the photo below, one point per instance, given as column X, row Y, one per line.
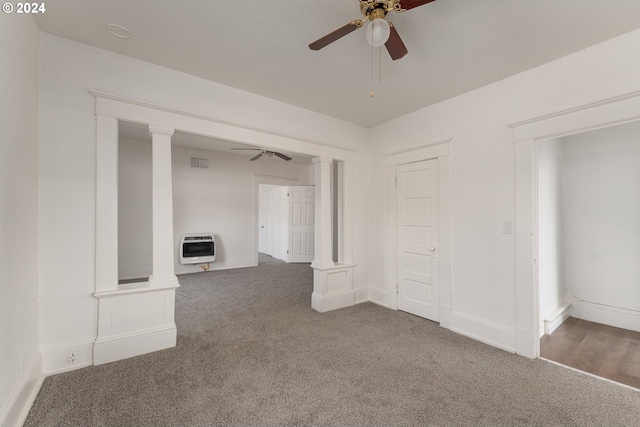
column 526, row 344
column 556, row 318
column 217, row 265
column 379, row 296
column 599, row 313
column 68, row 357
column 445, row 316
column 16, row 406
column 481, row 330
column 361, row 295
column 123, row 346
column 332, row 302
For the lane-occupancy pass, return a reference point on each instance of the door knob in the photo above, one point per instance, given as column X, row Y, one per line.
column 432, row 248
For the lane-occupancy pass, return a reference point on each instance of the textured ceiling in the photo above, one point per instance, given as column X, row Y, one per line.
column 261, row 46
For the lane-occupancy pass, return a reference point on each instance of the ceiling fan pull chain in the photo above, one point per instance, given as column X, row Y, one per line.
column 371, row 93
column 380, row 65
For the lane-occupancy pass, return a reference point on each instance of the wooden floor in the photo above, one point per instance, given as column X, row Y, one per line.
column 601, row 350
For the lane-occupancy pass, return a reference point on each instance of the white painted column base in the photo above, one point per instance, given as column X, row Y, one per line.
column 134, row 321
column 332, row 287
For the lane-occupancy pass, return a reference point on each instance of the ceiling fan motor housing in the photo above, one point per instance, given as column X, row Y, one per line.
column 376, row 9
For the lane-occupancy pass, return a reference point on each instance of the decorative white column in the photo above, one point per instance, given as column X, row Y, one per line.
column 323, row 244
column 345, row 212
column 133, row 318
column 162, row 207
column 332, row 284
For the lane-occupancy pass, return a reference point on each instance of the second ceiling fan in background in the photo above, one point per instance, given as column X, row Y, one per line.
column 265, row 153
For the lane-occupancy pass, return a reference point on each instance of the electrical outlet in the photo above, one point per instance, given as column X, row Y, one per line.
column 507, row 227
column 71, row 358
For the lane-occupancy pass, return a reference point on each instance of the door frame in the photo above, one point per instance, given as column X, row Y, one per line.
column 263, row 214
column 257, row 180
column 427, row 309
column 439, row 151
column 291, row 258
column 526, row 134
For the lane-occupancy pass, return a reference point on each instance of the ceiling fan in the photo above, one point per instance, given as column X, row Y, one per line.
column 266, row 153
column 379, row 30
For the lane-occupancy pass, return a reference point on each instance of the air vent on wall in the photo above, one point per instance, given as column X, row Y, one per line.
column 199, row 163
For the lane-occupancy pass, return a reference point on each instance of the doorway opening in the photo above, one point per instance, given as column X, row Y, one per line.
column 419, row 230
column 418, row 239
column 600, row 114
column 286, row 216
column 588, row 220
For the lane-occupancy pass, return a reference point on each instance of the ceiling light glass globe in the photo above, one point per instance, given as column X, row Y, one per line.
column 378, row 32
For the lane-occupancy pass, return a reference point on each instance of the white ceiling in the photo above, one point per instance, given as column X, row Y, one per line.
column 261, row 46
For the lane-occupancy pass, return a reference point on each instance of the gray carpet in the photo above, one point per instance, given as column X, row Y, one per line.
column 251, row 352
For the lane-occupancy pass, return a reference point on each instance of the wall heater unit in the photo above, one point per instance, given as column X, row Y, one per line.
column 197, row 248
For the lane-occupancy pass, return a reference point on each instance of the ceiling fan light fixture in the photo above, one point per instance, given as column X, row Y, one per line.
column 378, row 32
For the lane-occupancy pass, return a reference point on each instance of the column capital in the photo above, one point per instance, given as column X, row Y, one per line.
column 160, row 130
column 321, row 159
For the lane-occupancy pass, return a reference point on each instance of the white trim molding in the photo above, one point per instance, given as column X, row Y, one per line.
column 67, row 357
column 439, row 150
column 526, row 134
column 134, row 322
column 142, row 112
column 556, row 318
column 607, row 112
column 496, row 335
column 605, row 314
column 15, row 408
column 332, row 287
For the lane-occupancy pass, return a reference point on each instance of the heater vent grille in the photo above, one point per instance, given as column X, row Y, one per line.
column 199, row 163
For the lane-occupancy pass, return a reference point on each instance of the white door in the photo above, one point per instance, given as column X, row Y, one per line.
column 417, row 216
column 302, row 209
column 267, row 221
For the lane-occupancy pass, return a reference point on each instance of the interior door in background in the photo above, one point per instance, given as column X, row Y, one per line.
column 417, row 239
column 267, row 217
column 302, row 199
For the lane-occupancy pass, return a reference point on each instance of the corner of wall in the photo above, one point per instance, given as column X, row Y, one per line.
column 19, row 401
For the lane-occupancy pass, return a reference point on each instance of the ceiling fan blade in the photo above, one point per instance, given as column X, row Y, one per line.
column 247, row 149
column 410, row 4
column 394, row 45
column 282, row 156
column 331, row 37
column 257, row 157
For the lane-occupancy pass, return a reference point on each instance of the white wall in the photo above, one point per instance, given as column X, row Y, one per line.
column 550, row 240
column 601, row 209
column 19, row 39
column 135, row 231
column 482, row 190
column 220, row 200
column 482, row 173
column 67, row 170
